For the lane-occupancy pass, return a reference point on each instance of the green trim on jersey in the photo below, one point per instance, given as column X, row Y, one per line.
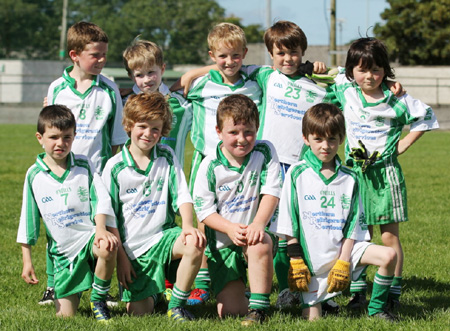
column 72, row 83
column 33, row 213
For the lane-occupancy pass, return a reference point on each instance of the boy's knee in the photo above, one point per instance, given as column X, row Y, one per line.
column 263, row 249
column 192, row 250
column 390, row 257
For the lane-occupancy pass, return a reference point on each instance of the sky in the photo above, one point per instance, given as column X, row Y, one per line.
column 355, row 18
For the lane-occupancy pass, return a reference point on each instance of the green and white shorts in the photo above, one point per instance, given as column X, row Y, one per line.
column 383, row 192
column 78, row 276
column 152, row 268
column 317, row 288
column 228, row 264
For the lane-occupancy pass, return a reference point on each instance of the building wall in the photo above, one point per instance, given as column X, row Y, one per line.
column 28, row 81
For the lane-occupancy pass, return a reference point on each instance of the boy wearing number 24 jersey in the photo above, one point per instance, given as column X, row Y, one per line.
column 321, row 219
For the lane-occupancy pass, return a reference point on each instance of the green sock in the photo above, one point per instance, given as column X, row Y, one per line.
column 281, row 265
column 50, row 272
column 359, row 285
column 178, row 298
column 396, row 288
column 380, row 292
column 202, row 279
column 100, row 289
column 259, row 301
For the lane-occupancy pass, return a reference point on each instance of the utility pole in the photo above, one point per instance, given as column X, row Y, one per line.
column 333, row 33
column 268, row 25
column 62, row 40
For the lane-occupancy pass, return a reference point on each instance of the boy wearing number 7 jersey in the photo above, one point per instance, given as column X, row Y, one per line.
column 320, row 204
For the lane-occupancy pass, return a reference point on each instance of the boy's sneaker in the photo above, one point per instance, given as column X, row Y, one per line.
column 111, row 301
column 254, row 316
column 286, row 299
column 330, row 307
column 101, row 311
column 393, row 305
column 357, row 301
column 180, row 314
column 198, row 296
column 48, row 297
column 386, row 315
column 167, row 294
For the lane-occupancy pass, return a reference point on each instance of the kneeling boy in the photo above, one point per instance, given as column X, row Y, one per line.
column 147, row 187
column 235, row 194
column 65, row 190
column 321, row 218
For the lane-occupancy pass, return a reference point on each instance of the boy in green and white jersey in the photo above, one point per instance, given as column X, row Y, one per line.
column 319, row 213
column 375, row 119
column 94, row 99
column 227, row 48
column 65, row 191
column 144, row 62
column 235, row 196
column 147, row 187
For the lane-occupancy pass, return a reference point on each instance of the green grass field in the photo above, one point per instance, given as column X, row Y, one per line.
column 426, row 290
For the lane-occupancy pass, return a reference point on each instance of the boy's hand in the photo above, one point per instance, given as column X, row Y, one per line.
column 110, row 239
column 45, row 102
column 255, row 233
column 125, row 271
column 197, row 235
column 298, row 276
column 319, row 67
column 396, row 88
column 28, row 274
column 238, row 234
column 339, row 276
column 360, row 155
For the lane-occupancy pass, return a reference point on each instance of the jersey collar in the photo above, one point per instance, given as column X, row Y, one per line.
column 226, row 163
column 316, row 165
column 386, row 91
column 71, row 81
column 129, row 162
column 217, row 78
column 43, row 166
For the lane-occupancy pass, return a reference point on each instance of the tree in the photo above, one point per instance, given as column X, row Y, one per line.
column 28, row 28
column 179, row 27
column 254, row 33
column 417, row 32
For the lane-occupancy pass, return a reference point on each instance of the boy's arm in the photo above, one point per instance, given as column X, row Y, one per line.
column 28, row 273
column 235, row 231
column 408, row 140
column 102, row 233
column 187, row 226
column 255, row 230
column 339, row 276
column 125, row 271
column 185, row 81
column 299, row 275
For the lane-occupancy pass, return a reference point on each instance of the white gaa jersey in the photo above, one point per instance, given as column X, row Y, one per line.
column 181, row 120
column 284, row 103
column 379, row 125
column 67, row 205
column 145, row 201
column 232, row 192
column 319, row 212
column 205, row 95
column 98, row 114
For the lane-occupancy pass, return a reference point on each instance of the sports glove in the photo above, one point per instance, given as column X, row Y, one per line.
column 324, row 80
column 339, row 276
column 298, row 276
column 360, row 155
